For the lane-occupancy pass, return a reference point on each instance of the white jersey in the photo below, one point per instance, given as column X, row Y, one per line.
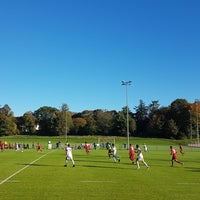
column 69, row 152
column 140, row 158
column 145, row 147
column 69, row 156
column 114, row 150
column 139, row 154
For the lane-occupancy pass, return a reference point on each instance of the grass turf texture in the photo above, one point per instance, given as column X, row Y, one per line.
column 98, row 177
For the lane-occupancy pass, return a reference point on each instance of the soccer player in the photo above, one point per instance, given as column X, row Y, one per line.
column 39, row 147
column 2, row 146
column 181, row 149
column 115, row 157
column 174, row 156
column 145, row 148
column 140, row 157
column 69, row 155
column 87, row 148
column 109, row 150
column 131, row 153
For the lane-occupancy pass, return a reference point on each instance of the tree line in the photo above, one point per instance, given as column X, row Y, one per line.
column 178, row 120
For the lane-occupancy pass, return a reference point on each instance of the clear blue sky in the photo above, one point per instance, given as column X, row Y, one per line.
column 78, row 51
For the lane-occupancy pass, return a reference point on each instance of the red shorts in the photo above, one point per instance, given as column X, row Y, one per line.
column 132, row 157
column 174, row 157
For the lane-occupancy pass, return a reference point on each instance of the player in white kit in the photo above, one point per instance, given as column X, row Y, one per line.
column 115, row 157
column 140, row 157
column 69, row 155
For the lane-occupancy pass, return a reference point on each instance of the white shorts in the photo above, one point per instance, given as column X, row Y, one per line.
column 140, row 157
column 69, row 157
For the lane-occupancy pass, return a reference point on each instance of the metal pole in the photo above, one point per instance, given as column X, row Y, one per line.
column 190, row 125
column 197, row 118
column 66, row 126
column 127, row 118
column 127, row 83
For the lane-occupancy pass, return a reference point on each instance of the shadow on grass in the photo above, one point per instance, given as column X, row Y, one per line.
column 106, row 167
column 109, row 161
column 39, row 165
column 111, row 166
column 192, row 169
column 95, row 161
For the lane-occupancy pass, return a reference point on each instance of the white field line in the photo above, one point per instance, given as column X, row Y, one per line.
column 17, row 172
column 96, row 181
column 13, row 181
column 187, row 183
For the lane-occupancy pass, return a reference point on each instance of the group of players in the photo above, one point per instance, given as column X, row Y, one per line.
column 112, row 151
column 140, row 157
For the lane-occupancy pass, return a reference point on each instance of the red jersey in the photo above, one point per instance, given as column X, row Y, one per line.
column 87, row 147
column 131, row 150
column 1, row 145
column 173, row 153
column 131, row 153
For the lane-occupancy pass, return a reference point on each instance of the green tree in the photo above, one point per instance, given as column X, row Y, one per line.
column 142, row 118
column 132, row 122
column 104, row 122
column 8, row 125
column 181, row 115
column 194, row 110
column 64, row 120
column 47, row 118
column 6, row 110
column 153, row 107
column 90, row 127
column 119, row 128
column 132, row 125
column 29, row 123
column 171, row 129
column 78, row 124
column 157, row 122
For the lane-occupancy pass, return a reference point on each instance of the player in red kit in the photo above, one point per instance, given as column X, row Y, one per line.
column 131, row 153
column 87, row 147
column 39, row 147
column 174, row 156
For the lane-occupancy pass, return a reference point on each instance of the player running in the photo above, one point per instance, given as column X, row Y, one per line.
column 174, row 156
column 87, row 148
column 131, row 153
column 140, row 157
column 181, row 149
column 115, row 157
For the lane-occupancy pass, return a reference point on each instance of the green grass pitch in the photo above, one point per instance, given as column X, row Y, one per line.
column 42, row 175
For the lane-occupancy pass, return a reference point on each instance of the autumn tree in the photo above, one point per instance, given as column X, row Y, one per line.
column 29, row 123
column 78, row 125
column 8, row 125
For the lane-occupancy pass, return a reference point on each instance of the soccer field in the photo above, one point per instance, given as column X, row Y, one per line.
column 42, row 175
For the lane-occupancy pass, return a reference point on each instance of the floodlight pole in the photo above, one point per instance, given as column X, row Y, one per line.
column 197, row 118
column 127, row 83
column 190, row 125
column 66, row 126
